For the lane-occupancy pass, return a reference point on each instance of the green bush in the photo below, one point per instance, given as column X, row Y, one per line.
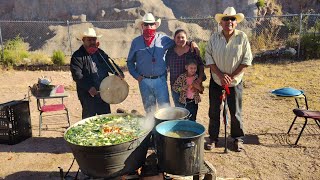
column 202, row 46
column 15, row 50
column 292, row 41
column 260, row 3
column 39, row 58
column 58, row 58
column 310, row 45
column 265, row 40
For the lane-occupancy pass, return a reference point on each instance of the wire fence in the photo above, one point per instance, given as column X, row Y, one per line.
column 265, row 33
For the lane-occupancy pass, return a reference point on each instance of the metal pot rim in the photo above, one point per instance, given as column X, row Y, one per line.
column 178, row 109
column 179, row 120
column 100, row 116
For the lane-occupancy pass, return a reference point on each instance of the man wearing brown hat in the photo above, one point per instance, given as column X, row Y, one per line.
column 228, row 54
column 89, row 66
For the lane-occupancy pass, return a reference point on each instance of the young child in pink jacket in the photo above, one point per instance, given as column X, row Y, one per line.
column 189, row 91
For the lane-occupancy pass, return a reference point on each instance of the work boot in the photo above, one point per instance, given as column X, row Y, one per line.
column 211, row 144
column 238, row 144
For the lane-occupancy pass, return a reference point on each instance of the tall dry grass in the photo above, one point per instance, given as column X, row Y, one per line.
column 303, row 75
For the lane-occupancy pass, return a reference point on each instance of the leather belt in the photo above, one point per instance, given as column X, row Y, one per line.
column 151, row 77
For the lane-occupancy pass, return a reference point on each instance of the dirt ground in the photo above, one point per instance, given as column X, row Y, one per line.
column 269, row 152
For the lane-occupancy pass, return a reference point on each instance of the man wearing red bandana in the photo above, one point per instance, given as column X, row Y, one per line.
column 146, row 63
column 89, row 66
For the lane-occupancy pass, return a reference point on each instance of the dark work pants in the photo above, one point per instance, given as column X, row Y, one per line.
column 92, row 106
column 234, row 101
column 192, row 107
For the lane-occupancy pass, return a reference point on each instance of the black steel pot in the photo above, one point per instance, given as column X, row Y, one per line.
column 110, row 161
column 181, row 155
column 170, row 113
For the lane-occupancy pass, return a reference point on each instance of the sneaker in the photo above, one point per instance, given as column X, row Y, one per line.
column 211, row 144
column 238, row 146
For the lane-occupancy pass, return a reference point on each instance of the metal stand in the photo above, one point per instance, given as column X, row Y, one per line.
column 207, row 170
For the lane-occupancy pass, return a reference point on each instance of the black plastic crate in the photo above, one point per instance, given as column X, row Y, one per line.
column 15, row 122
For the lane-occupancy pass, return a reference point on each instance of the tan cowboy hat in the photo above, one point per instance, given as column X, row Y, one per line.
column 90, row 32
column 230, row 11
column 149, row 18
column 113, row 89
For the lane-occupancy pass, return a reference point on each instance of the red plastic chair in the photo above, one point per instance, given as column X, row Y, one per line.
column 43, row 105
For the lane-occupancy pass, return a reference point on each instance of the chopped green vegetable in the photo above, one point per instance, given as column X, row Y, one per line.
column 104, row 131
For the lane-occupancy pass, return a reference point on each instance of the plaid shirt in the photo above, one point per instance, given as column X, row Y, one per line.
column 176, row 63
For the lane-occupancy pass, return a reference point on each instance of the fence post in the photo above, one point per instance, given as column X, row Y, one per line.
column 2, row 47
column 300, row 32
column 69, row 37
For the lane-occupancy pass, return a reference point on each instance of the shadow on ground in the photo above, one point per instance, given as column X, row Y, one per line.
column 54, row 145
column 31, row 175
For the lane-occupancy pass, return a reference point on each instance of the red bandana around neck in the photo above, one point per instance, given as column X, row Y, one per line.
column 92, row 50
column 148, row 36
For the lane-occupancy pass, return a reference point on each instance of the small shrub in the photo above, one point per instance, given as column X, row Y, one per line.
column 202, row 46
column 15, row 50
column 58, row 58
column 39, row 58
column 266, row 39
column 260, row 4
column 292, row 41
column 310, row 45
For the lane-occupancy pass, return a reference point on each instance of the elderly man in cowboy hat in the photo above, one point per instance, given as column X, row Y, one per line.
column 147, row 65
column 228, row 54
column 89, row 66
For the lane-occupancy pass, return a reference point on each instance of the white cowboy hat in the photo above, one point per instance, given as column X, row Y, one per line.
column 149, row 18
column 230, row 11
column 90, row 32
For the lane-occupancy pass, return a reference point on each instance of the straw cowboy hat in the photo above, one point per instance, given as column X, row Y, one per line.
column 230, row 11
column 149, row 18
column 90, row 32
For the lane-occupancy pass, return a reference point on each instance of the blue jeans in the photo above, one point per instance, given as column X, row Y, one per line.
column 175, row 97
column 154, row 91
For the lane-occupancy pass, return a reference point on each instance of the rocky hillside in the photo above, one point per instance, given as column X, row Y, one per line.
column 296, row 7
column 116, row 9
column 131, row 9
column 117, row 36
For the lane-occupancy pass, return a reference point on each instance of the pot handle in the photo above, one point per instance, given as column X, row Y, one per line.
column 189, row 144
column 131, row 146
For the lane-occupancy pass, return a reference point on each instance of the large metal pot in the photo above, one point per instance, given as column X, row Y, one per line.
column 180, row 155
column 110, row 161
column 170, row 113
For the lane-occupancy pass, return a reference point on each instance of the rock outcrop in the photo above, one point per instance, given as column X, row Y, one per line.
column 130, row 9
column 115, row 9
